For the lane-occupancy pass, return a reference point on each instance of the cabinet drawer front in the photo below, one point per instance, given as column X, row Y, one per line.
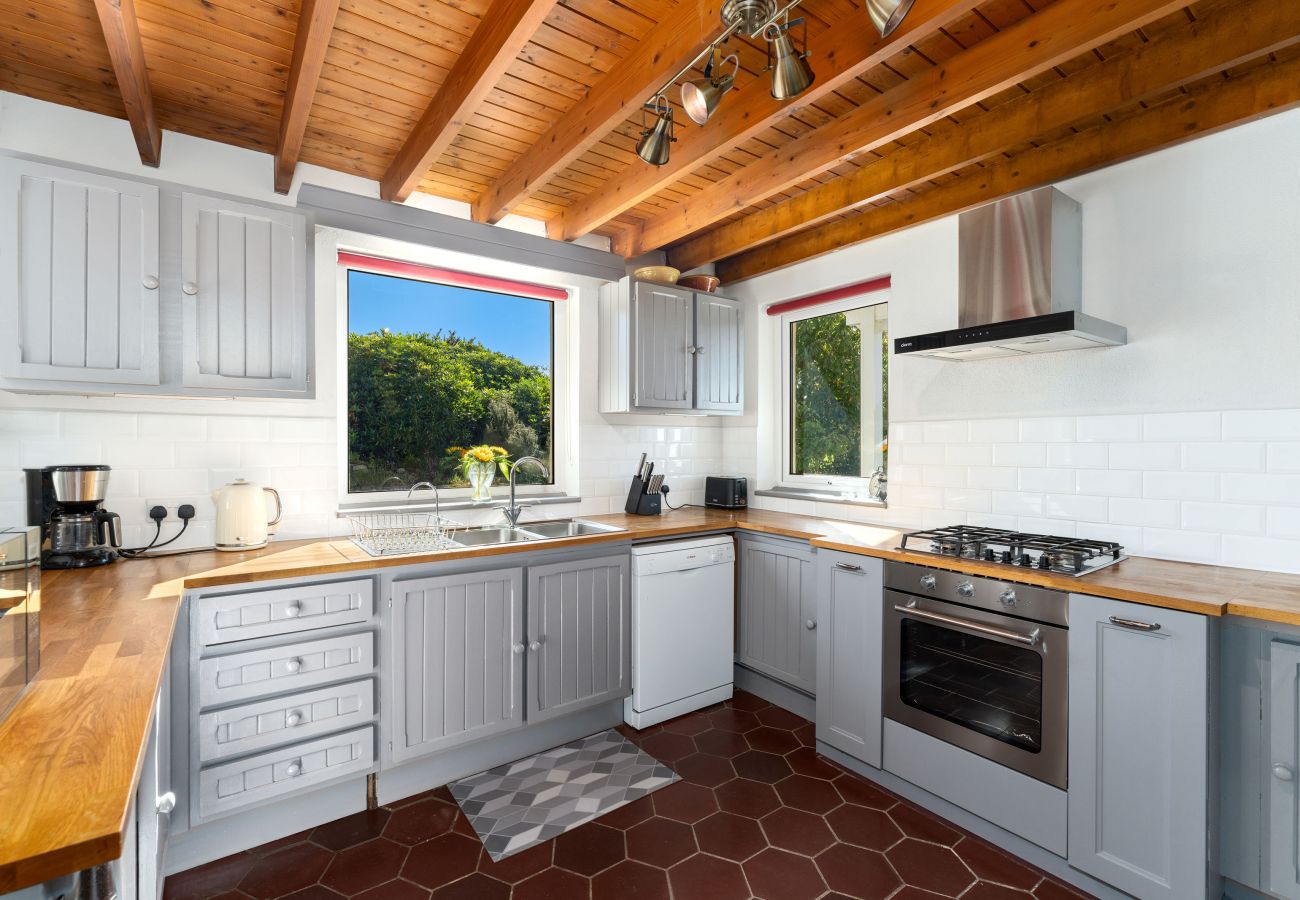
column 231, row 786
column 256, row 726
column 260, row 673
column 236, row 617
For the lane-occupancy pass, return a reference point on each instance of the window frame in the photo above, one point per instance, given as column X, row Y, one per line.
column 856, row 486
column 564, row 319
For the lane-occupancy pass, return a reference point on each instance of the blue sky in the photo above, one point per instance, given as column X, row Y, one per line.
column 516, row 326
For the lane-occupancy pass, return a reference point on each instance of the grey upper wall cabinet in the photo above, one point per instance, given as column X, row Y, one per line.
column 78, row 276
column 776, row 611
column 579, row 635
column 244, row 296
column 1139, row 747
column 850, row 635
column 458, row 660
column 667, row 349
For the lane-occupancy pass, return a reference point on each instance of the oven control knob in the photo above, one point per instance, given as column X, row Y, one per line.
column 928, row 582
column 1008, row 597
column 966, row 589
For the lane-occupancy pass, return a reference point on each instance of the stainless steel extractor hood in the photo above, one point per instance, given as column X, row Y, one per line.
column 1020, row 273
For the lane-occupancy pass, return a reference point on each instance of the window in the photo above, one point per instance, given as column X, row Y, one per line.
column 836, row 394
column 435, row 368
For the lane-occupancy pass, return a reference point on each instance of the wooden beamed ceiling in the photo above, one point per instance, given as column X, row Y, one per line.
column 533, row 106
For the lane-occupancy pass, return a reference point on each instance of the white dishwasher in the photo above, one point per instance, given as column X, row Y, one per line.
column 683, row 628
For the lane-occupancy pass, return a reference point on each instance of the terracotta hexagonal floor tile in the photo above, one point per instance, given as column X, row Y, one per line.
column 747, row 701
column 518, row 866
column 772, row 740
column 420, row 822
column 780, row 718
column 806, row 761
column 930, row 866
column 703, row 769
column 759, row 766
column 721, row 743
column 778, row 875
column 807, row 734
column 917, row 823
column 737, row 721
column 629, row 814
column 314, row 892
column 1055, row 890
column 351, row 830
column 991, row 864
column 987, row 890
column 588, row 848
column 628, row 880
column 915, row 893
column 668, row 747
column 442, row 860
column 361, row 867
column 729, row 836
column 553, row 884
column 210, row 879
column 704, row 877
column 863, row 874
column 397, row 889
column 689, row 725
column 855, row 789
column 285, row 871
column 660, row 842
column 746, row 798
column 473, row 887
column 870, row 828
column 797, row 831
column 684, row 802
column 809, row 794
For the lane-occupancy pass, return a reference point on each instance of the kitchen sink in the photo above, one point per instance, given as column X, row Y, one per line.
column 478, row 537
column 562, row 528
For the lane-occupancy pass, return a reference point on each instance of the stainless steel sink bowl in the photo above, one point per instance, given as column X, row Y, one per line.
column 478, row 537
column 562, row 528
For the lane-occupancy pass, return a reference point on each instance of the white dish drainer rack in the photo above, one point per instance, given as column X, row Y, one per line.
column 387, row 533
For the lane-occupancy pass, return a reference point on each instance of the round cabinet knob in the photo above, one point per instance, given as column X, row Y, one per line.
column 293, row 610
column 966, row 589
column 190, row 288
column 535, row 646
column 166, row 803
column 293, row 719
column 1283, row 773
column 294, row 769
column 1008, row 597
column 810, row 624
column 690, row 350
column 293, row 665
column 150, row 282
column 928, row 582
column 518, row 648
column 699, row 350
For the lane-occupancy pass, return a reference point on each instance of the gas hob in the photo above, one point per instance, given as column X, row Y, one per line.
column 1042, row 552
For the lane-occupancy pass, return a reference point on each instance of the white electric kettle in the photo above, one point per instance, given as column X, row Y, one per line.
column 241, row 515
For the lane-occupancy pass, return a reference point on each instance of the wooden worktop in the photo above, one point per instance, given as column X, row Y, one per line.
column 70, row 750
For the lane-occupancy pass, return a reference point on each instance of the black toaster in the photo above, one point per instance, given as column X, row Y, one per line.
column 726, row 491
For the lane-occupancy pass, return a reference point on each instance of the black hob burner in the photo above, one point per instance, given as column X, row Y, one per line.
column 1063, row 555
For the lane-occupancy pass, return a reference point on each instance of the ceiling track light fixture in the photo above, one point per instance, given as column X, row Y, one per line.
column 791, row 72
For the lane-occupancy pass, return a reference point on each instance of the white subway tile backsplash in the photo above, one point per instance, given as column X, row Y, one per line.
column 995, row 431
column 1182, row 545
column 98, row 425
column 1144, row 456
column 1132, row 511
column 1224, row 456
column 1261, row 553
column 274, row 454
column 1109, row 428
column 1128, row 536
column 966, row 500
column 1010, row 503
column 995, row 478
column 1108, row 483
column 1284, row 522
column 943, row 476
column 946, row 432
column 1223, row 517
column 1262, row 425
column 969, row 454
column 1262, row 488
column 1078, row 456
column 206, row 455
column 305, row 430
column 166, row 483
column 46, row 452
column 241, row 428
column 28, row 425
column 9, row 454
column 1046, row 480
column 1077, row 508
column 174, row 428
column 1060, row 429
column 1054, row 527
column 139, row 454
column 1283, row 457
column 1184, row 426
column 1020, row 454
column 1180, row 485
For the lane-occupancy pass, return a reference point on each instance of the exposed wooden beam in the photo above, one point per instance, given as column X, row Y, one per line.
column 503, row 31
column 680, row 35
column 838, row 56
column 1220, row 41
column 1033, row 45
column 315, row 24
column 122, row 33
column 1264, row 90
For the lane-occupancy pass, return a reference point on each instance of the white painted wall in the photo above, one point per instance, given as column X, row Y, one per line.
column 1197, row 251
column 178, row 450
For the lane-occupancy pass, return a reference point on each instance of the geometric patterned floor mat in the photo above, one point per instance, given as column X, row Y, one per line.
column 520, row 804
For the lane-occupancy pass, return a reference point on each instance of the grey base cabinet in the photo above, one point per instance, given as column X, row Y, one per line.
column 776, row 611
column 1139, row 747
column 579, row 635
column 850, row 627
column 1281, row 797
column 458, row 660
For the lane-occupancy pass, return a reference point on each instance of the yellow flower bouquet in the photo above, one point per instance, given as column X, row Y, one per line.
column 480, row 465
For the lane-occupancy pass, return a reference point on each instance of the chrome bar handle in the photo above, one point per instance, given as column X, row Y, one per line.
column 1019, row 637
column 1135, row 624
column 849, row 567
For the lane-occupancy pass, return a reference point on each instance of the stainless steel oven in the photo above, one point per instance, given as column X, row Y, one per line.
column 979, row 663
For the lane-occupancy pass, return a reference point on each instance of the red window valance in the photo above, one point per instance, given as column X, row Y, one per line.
column 839, row 293
column 422, row 272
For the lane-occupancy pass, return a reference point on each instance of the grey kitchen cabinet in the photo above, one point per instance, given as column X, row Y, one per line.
column 850, row 635
column 1139, row 747
column 579, row 635
column 1282, row 847
column 776, row 610
column 458, row 660
column 667, row 349
column 78, row 277
column 244, row 310
column 154, row 799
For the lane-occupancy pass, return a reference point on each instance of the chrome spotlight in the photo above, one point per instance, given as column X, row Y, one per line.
column 791, row 74
column 702, row 96
column 653, row 146
column 887, row 15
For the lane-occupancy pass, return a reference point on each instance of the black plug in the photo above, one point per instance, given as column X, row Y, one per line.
column 158, row 513
column 185, row 512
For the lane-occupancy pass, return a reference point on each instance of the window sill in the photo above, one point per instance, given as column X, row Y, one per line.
column 455, row 503
column 822, row 495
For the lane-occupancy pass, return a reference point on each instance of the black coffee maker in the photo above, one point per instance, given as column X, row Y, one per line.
column 67, row 503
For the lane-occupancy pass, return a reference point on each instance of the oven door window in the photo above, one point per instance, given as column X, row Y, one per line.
column 990, row 687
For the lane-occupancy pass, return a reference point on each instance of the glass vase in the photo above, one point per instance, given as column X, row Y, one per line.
column 480, row 476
